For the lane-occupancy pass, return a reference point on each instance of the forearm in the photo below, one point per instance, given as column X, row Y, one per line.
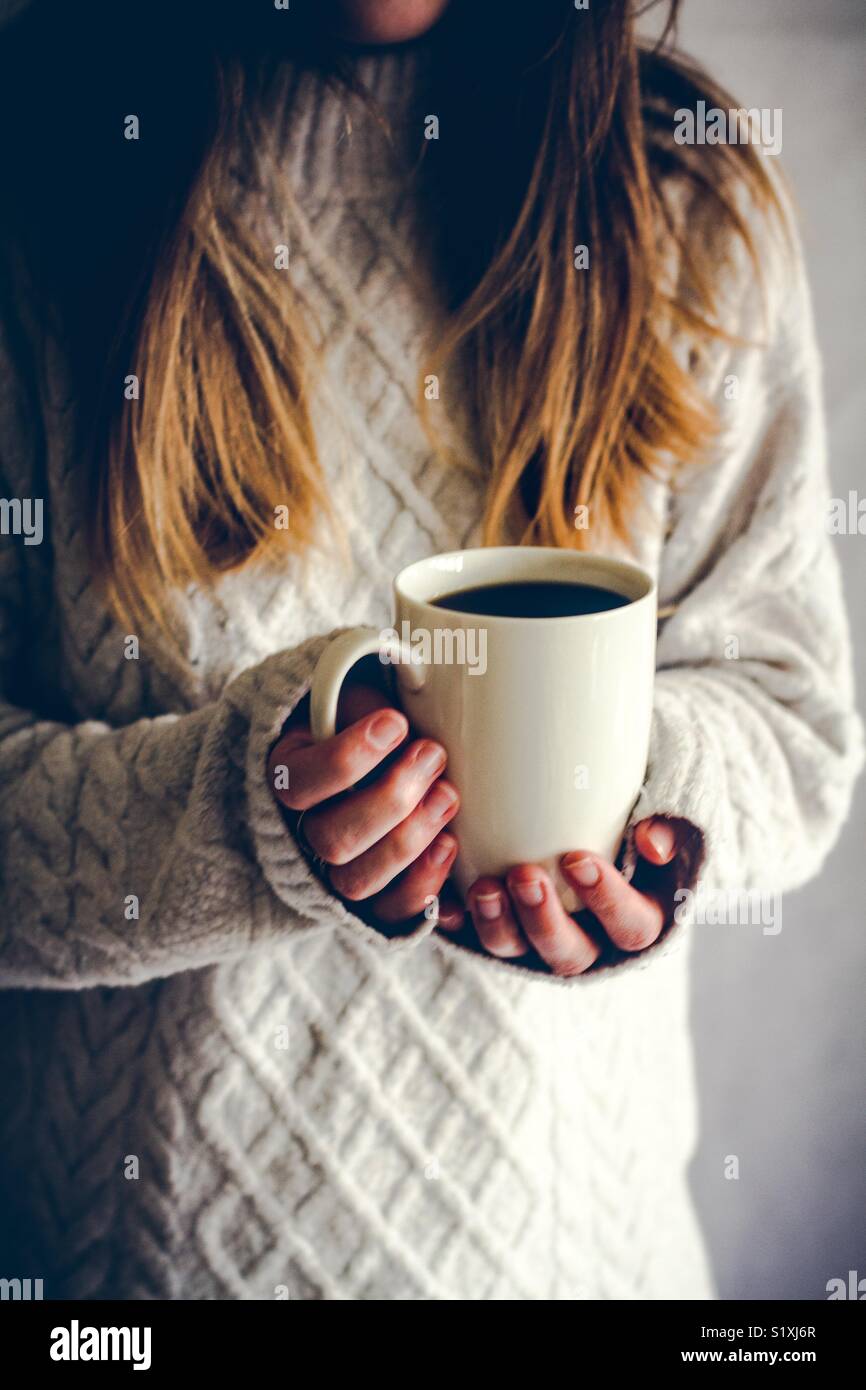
column 130, row 854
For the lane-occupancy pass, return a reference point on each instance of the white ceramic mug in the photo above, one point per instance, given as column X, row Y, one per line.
column 546, row 721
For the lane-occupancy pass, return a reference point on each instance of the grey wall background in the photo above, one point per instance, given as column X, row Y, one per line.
column 779, row 1021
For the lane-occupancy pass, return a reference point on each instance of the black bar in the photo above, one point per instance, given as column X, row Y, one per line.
column 239, row 1337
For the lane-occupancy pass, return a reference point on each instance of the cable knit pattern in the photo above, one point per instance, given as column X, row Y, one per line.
column 247, row 1088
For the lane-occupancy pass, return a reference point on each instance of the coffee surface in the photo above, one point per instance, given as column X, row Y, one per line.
column 536, row 598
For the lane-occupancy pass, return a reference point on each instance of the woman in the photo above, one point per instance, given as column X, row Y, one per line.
column 289, row 300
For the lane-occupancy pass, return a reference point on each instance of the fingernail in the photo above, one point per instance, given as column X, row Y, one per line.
column 450, row 918
column 386, row 729
column 431, row 758
column 531, row 894
column 441, row 848
column 584, row 871
column 661, row 838
column 489, row 905
column 440, row 799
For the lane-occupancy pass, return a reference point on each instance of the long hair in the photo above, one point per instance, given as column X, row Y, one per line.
column 564, row 141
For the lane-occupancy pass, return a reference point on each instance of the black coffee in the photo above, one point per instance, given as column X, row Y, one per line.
column 534, row 598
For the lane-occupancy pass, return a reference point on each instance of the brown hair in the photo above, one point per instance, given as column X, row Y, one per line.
column 566, row 140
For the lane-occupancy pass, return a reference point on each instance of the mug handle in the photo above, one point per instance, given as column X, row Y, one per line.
column 337, row 660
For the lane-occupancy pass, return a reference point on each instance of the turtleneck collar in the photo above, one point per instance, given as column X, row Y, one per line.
column 334, row 140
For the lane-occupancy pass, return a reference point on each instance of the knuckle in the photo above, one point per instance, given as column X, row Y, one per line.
column 631, row 930
column 400, row 793
column 632, row 937
column 350, row 883
column 340, row 852
column 410, row 839
column 330, row 842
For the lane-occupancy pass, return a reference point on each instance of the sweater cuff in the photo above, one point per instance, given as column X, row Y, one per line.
column 684, row 781
column 271, row 691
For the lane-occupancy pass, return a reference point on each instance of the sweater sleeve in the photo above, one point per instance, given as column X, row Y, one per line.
column 755, row 741
column 128, row 854
column 131, row 854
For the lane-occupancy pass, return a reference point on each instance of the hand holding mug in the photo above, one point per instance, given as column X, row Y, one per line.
column 394, row 867
column 533, row 667
column 545, row 714
column 522, row 914
column 384, row 844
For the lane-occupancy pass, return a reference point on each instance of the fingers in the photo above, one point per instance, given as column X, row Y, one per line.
column 317, row 771
column 557, row 938
column 418, row 888
column 343, row 830
column 631, row 919
column 452, row 914
column 494, row 920
column 372, row 870
column 660, row 839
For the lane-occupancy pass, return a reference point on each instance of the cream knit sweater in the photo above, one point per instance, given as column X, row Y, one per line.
column 244, row 1092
